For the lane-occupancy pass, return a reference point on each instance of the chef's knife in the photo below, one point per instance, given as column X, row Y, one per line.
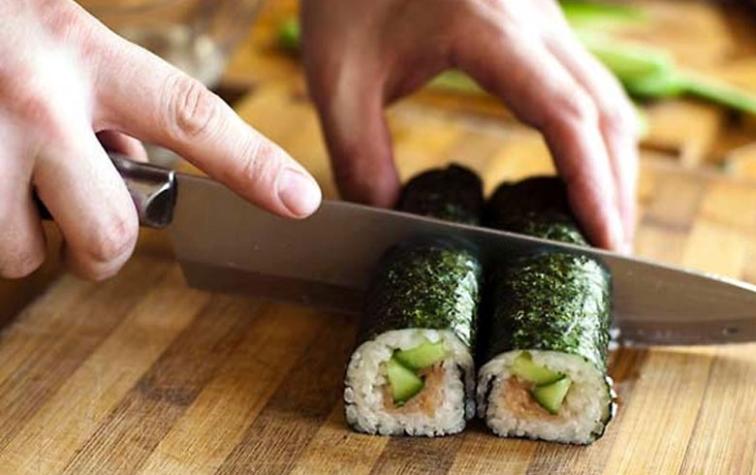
column 225, row 244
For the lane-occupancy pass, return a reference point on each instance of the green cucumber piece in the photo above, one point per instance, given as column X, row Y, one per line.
column 551, row 396
column 422, row 356
column 523, row 367
column 404, row 383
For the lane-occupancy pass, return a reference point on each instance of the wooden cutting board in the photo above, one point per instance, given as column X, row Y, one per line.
column 142, row 374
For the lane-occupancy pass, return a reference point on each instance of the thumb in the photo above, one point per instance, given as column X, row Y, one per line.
column 357, row 136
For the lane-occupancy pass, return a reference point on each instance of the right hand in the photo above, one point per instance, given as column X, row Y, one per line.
column 361, row 56
column 65, row 80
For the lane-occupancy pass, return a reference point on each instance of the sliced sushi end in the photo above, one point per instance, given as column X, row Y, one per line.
column 404, row 383
column 422, row 356
column 524, row 367
column 551, row 396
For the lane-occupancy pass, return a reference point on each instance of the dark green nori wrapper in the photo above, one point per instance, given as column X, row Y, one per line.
column 433, row 283
column 424, row 285
column 453, row 194
column 546, row 301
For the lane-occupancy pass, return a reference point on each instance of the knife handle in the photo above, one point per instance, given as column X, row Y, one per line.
column 152, row 188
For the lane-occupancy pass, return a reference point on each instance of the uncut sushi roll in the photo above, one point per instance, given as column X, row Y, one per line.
column 413, row 371
column 545, row 373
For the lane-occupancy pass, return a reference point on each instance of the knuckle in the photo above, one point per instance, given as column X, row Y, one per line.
column 191, row 110
column 112, row 240
column 69, row 23
column 37, row 110
column 260, row 162
column 619, row 120
column 576, row 107
column 67, row 20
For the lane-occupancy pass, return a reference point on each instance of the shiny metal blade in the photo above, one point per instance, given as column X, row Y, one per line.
column 226, row 244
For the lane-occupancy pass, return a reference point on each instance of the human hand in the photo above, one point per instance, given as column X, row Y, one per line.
column 362, row 55
column 64, row 78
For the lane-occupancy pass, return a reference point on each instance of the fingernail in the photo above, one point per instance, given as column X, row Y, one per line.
column 298, row 192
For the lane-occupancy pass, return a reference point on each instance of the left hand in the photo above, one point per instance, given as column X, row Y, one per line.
column 362, row 55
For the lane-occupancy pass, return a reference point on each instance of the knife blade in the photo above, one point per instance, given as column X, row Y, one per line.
column 225, row 244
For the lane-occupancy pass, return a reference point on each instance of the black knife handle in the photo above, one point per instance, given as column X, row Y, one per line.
column 152, row 188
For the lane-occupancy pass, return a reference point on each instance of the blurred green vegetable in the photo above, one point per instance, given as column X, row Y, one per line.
column 628, row 61
column 581, row 13
column 719, row 92
column 289, row 34
column 457, row 81
column 646, row 72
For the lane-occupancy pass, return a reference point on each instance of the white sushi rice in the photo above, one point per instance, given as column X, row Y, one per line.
column 366, row 377
column 585, row 411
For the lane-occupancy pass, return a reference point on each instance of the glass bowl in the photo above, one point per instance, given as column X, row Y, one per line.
column 196, row 36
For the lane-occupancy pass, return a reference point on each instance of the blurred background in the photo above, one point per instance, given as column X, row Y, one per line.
column 690, row 65
column 196, row 35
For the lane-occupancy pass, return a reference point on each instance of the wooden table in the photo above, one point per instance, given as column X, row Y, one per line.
column 142, row 374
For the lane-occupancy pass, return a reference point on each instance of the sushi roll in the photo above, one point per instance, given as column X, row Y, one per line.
column 452, row 194
column 545, row 371
column 413, row 371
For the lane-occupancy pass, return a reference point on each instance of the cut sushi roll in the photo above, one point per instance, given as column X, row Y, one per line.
column 547, row 339
column 573, row 409
column 383, row 396
column 413, row 371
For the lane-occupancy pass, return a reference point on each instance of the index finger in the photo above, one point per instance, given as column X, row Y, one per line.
column 144, row 96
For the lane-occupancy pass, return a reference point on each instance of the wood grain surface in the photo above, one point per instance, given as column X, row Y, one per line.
column 141, row 374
